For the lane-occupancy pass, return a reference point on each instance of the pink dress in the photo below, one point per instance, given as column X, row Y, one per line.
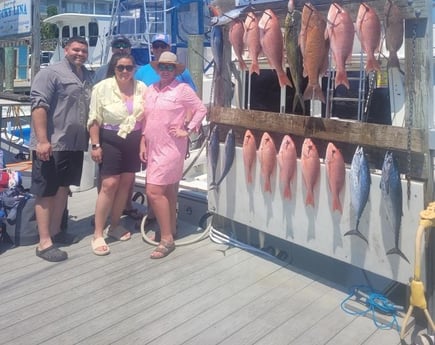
column 164, row 109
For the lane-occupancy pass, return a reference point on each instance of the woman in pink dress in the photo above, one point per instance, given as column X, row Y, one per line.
column 166, row 128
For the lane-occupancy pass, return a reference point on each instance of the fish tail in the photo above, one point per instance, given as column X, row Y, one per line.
column 287, row 192
column 314, row 92
column 255, row 68
column 372, row 65
column 242, row 65
column 336, row 205
column 356, row 232
column 298, row 99
column 393, row 60
column 267, row 186
column 341, row 79
column 310, row 199
column 284, row 80
column 249, row 178
column 397, row 251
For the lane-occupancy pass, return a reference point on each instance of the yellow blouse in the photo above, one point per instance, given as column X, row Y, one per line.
column 108, row 107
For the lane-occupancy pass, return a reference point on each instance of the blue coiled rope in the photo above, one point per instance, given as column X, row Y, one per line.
column 375, row 303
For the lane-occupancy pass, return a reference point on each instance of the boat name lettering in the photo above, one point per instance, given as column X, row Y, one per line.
column 13, row 11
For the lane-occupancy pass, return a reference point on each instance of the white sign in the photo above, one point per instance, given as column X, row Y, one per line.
column 15, row 17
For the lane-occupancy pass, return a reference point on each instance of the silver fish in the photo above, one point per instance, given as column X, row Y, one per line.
column 213, row 153
column 227, row 17
column 292, row 29
column 391, row 188
column 359, row 188
column 217, row 47
column 230, row 152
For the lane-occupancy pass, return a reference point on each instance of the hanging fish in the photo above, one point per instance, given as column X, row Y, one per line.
column 217, row 48
column 391, row 188
column 235, row 36
column 219, row 18
column 310, row 163
column 336, row 172
column 249, row 150
column 368, row 30
column 360, row 181
column 314, row 50
column 230, row 152
column 393, row 32
column 213, row 153
column 272, row 44
column 294, row 56
column 287, row 164
column 251, row 39
column 340, row 31
column 267, row 156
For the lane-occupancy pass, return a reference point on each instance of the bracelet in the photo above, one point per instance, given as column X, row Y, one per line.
column 95, row 146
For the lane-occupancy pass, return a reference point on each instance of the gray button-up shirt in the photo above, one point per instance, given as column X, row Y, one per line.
column 66, row 99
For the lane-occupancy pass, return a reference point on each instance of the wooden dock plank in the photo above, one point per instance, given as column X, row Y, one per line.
column 95, row 299
column 175, row 310
column 261, row 318
column 202, row 293
column 234, row 312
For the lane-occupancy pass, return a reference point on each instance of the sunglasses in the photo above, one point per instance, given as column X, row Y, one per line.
column 165, row 67
column 128, row 68
column 121, row 46
column 159, row 45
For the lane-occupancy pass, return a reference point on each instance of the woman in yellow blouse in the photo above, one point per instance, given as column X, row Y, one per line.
column 115, row 130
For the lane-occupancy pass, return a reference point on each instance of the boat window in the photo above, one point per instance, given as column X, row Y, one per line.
column 75, row 32
column 93, row 34
column 82, row 31
column 65, row 35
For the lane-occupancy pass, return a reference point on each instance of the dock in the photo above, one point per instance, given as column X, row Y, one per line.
column 204, row 293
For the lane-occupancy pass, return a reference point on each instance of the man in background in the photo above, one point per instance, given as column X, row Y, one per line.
column 161, row 43
column 120, row 44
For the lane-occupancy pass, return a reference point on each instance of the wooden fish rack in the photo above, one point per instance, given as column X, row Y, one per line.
column 377, row 138
column 412, row 146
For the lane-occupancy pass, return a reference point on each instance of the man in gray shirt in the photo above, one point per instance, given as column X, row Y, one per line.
column 60, row 97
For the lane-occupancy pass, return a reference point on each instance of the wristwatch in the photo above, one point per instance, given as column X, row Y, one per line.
column 95, row 146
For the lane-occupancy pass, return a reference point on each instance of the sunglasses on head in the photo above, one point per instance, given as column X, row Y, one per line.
column 166, row 67
column 121, row 46
column 128, row 68
column 160, row 45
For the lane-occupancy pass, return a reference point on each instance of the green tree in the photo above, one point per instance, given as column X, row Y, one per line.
column 48, row 31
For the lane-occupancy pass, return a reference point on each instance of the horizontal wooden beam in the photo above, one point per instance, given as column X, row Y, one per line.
column 356, row 133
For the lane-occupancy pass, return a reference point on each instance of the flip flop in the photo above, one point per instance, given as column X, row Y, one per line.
column 162, row 250
column 52, row 254
column 133, row 213
column 98, row 245
column 118, row 233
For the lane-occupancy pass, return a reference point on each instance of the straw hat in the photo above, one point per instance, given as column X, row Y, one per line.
column 169, row 58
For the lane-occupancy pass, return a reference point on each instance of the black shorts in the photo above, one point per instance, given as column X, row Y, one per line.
column 62, row 170
column 119, row 155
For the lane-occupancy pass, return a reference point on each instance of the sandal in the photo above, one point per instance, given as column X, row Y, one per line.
column 52, row 254
column 133, row 213
column 99, row 246
column 162, row 250
column 118, row 233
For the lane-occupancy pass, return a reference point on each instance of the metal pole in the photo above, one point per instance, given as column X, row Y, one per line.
column 195, row 44
column 36, row 39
